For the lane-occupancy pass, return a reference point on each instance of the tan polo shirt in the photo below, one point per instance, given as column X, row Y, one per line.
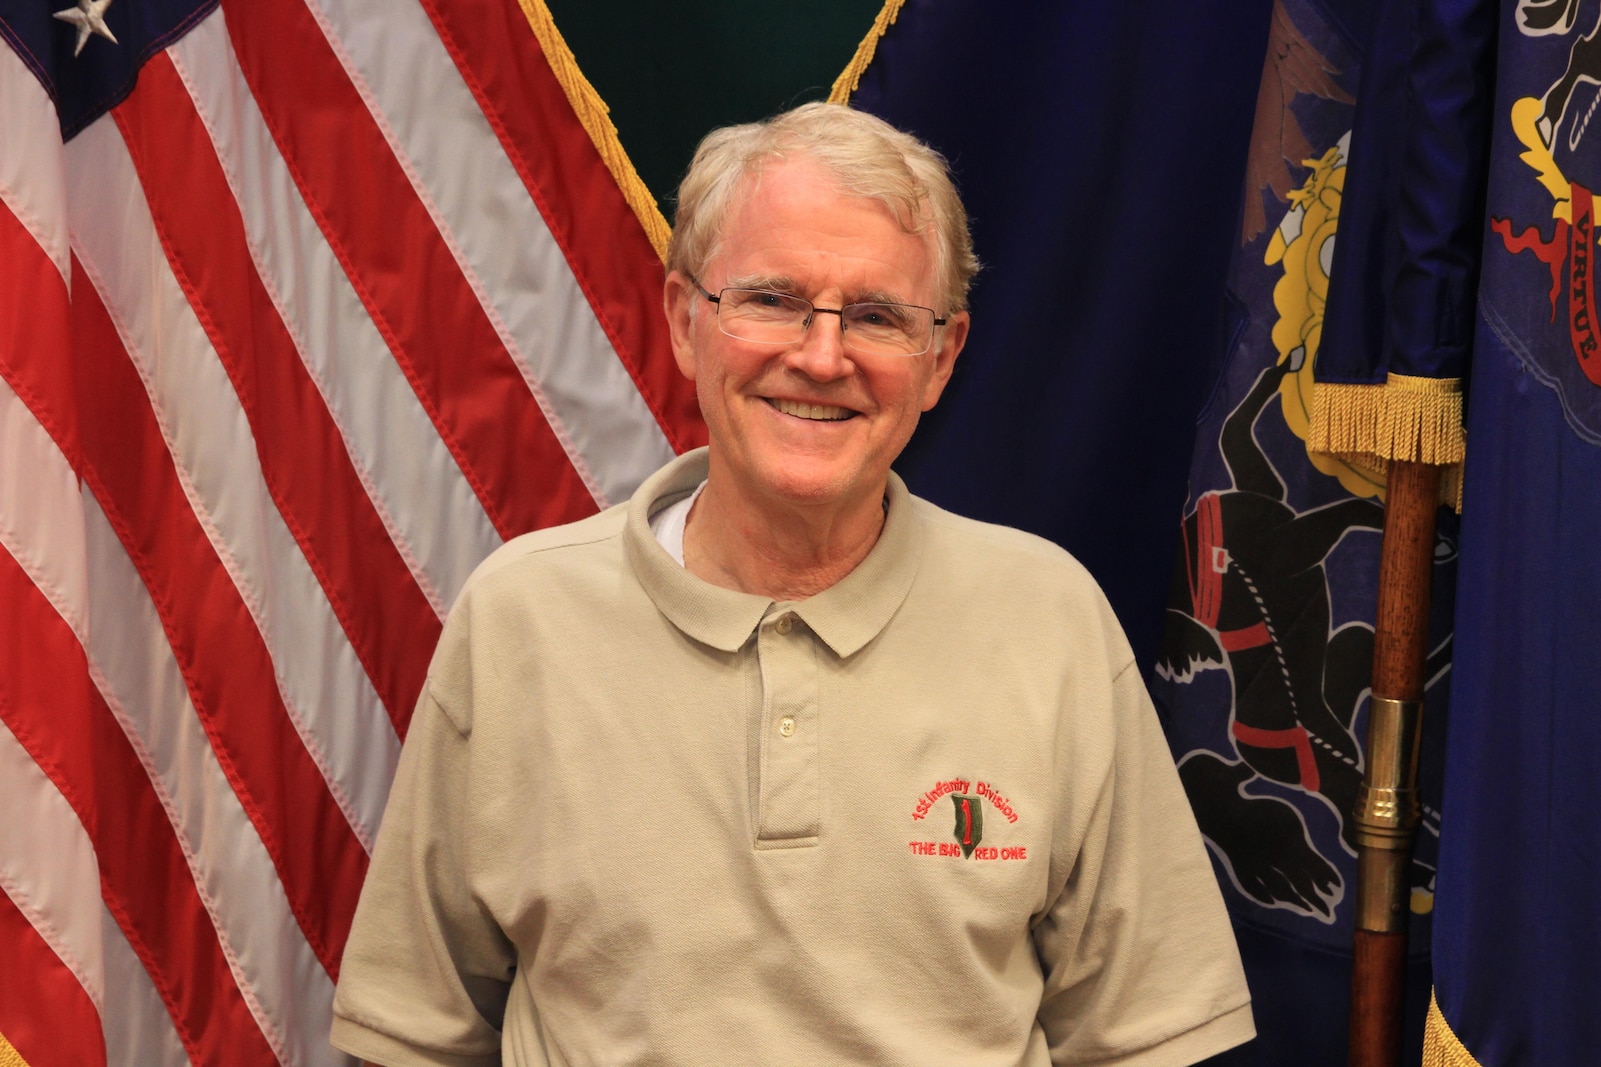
column 924, row 817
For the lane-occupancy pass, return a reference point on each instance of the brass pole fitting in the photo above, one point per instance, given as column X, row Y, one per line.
column 1387, row 813
column 1387, row 810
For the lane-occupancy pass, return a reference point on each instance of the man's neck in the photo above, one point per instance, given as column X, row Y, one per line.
column 781, row 551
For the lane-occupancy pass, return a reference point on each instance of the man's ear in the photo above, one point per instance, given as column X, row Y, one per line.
column 679, row 296
column 948, row 344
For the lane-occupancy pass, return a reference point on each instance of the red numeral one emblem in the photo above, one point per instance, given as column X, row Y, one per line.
column 969, row 822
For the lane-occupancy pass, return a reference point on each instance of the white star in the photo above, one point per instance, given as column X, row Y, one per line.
column 88, row 16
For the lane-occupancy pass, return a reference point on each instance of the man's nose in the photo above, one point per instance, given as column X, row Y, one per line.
column 821, row 353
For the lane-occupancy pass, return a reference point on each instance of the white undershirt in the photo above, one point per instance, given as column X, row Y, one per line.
column 668, row 524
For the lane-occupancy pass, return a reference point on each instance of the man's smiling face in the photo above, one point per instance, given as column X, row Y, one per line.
column 805, row 423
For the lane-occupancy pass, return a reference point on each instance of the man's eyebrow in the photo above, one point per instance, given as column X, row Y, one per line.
column 878, row 296
column 779, row 283
column 783, row 283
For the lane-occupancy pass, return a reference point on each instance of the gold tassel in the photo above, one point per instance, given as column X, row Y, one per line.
column 1423, row 418
column 1441, row 1048
column 1407, row 418
column 1345, row 419
column 596, row 117
column 851, row 77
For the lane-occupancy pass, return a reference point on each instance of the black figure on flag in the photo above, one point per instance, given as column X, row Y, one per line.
column 1251, row 599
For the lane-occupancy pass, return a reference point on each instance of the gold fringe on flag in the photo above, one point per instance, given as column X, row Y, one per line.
column 596, row 117
column 9, row 1056
column 851, row 77
column 1407, row 418
column 1440, row 1045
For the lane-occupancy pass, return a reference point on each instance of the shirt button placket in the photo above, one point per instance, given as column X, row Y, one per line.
column 789, row 788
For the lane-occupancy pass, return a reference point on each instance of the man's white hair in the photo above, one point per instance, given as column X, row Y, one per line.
column 865, row 154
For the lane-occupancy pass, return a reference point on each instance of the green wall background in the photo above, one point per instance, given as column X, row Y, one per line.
column 672, row 72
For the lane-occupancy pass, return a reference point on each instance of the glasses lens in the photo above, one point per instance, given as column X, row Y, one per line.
column 761, row 315
column 887, row 329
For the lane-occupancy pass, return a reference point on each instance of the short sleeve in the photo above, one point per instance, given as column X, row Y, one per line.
column 1139, row 960
column 426, row 972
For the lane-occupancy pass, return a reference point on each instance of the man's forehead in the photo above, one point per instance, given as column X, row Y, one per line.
column 800, row 176
column 793, row 220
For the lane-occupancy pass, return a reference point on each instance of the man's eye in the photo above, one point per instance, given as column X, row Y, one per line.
column 766, row 300
column 878, row 315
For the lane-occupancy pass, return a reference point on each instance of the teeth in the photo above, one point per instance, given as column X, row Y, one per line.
column 823, row 412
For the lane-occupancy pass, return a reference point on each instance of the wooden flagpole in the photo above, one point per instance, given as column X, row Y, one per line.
column 1387, row 810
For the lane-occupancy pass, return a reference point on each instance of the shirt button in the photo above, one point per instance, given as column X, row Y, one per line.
column 784, row 626
column 786, row 726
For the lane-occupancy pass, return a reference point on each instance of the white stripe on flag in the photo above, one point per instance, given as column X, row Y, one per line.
column 137, row 1028
column 41, row 522
column 32, row 162
column 48, row 867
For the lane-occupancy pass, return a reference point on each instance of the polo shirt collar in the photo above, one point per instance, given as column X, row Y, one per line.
column 847, row 615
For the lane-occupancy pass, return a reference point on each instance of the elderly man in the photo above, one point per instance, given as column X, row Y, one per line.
column 777, row 763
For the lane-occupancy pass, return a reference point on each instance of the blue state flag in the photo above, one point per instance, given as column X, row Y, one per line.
column 1517, row 931
column 1099, row 150
column 1265, row 668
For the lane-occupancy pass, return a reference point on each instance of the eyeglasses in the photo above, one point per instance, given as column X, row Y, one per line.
column 873, row 329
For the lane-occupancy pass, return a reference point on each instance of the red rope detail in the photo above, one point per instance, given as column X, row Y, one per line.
column 1294, row 737
column 1207, row 581
column 1246, row 637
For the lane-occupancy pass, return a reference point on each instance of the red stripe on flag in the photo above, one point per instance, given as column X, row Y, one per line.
column 33, row 316
column 307, row 468
column 393, row 253
column 58, row 716
column 44, row 1011
column 120, row 453
column 609, row 253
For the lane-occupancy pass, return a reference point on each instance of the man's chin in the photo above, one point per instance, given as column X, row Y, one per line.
column 816, row 482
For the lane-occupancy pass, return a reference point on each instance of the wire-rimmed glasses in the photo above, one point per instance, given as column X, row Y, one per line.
column 875, row 328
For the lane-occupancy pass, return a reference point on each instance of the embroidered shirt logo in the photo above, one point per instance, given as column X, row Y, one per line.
column 969, row 822
column 968, row 800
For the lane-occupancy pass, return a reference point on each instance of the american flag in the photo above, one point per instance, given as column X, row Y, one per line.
column 305, row 306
